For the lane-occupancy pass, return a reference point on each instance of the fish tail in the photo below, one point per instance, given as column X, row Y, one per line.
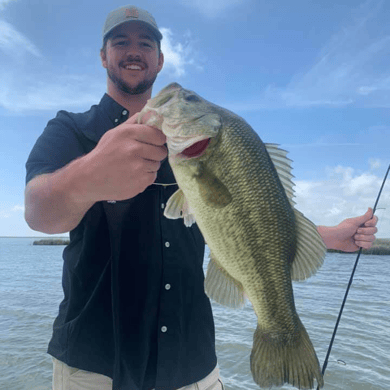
column 278, row 358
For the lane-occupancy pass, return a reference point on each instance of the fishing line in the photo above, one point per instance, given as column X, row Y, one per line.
column 349, row 285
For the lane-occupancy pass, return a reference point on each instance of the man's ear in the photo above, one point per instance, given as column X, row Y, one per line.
column 103, row 57
column 160, row 61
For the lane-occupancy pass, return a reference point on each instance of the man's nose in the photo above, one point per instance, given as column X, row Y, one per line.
column 132, row 55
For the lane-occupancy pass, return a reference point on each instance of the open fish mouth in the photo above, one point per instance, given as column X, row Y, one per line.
column 196, row 150
column 188, row 147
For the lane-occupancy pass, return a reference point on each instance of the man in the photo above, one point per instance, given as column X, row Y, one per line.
column 134, row 314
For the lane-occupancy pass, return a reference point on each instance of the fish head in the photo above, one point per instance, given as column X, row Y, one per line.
column 187, row 120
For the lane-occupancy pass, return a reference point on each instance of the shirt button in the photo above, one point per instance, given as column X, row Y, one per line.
column 124, row 112
column 116, row 120
column 162, row 205
column 167, row 244
column 164, row 329
column 167, row 286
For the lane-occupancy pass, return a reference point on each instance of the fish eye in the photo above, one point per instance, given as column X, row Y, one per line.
column 192, row 98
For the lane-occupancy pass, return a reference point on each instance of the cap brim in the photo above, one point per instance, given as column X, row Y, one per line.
column 152, row 29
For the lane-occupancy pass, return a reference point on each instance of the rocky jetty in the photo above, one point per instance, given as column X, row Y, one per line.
column 52, row 241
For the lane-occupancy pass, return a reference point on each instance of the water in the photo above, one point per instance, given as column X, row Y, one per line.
column 30, row 291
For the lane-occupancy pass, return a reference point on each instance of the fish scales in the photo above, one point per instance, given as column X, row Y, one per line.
column 240, row 203
column 247, row 237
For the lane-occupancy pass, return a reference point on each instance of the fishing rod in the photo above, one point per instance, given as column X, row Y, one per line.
column 349, row 285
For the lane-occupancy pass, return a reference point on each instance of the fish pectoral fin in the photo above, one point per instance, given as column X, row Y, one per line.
column 212, row 190
column 221, row 287
column 177, row 207
column 311, row 250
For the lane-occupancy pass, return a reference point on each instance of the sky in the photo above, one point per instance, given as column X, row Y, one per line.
column 312, row 76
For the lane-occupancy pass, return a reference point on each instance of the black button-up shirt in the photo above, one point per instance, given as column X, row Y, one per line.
column 134, row 306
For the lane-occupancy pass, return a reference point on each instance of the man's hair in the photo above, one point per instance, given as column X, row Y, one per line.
column 108, row 36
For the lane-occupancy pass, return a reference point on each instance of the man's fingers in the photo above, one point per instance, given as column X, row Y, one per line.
column 364, row 238
column 149, row 135
column 372, row 222
column 367, row 230
column 364, row 244
column 153, row 152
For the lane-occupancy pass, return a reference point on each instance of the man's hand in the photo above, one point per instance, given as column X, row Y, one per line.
column 124, row 163
column 351, row 234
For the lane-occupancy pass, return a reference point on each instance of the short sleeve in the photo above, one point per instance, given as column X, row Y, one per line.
column 60, row 143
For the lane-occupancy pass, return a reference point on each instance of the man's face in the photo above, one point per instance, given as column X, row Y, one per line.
column 132, row 58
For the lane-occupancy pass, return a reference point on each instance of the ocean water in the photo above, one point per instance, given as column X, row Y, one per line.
column 30, row 292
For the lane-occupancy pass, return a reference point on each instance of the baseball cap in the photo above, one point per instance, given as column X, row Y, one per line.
column 130, row 13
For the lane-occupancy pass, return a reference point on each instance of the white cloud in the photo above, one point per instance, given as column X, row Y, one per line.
column 14, row 43
column 344, row 193
column 352, row 68
column 47, row 92
column 349, row 70
column 8, row 211
column 18, row 207
column 213, row 8
column 25, row 86
column 177, row 55
column 375, row 163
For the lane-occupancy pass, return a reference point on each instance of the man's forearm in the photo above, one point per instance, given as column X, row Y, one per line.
column 52, row 201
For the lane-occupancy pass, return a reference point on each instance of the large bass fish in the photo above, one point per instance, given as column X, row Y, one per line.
column 239, row 191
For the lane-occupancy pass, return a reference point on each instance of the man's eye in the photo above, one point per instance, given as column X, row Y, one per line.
column 120, row 43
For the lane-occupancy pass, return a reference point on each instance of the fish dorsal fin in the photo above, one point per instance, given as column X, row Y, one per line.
column 221, row 287
column 311, row 250
column 177, row 207
column 283, row 168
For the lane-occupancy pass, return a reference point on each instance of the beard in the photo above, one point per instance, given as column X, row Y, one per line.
column 142, row 86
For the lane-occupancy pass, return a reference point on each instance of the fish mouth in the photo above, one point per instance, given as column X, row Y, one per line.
column 188, row 147
column 196, row 150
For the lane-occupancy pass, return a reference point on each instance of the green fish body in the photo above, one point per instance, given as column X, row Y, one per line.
column 239, row 192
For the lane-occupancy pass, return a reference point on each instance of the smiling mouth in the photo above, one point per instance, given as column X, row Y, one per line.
column 133, row 67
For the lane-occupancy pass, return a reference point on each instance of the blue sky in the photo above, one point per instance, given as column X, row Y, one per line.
column 312, row 76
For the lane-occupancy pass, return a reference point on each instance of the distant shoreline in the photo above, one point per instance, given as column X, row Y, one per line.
column 381, row 246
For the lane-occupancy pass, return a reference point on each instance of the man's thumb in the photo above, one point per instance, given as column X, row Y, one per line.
column 365, row 217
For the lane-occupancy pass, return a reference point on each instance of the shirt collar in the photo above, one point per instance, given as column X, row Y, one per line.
column 117, row 113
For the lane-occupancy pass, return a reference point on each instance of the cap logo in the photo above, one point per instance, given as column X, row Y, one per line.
column 132, row 13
